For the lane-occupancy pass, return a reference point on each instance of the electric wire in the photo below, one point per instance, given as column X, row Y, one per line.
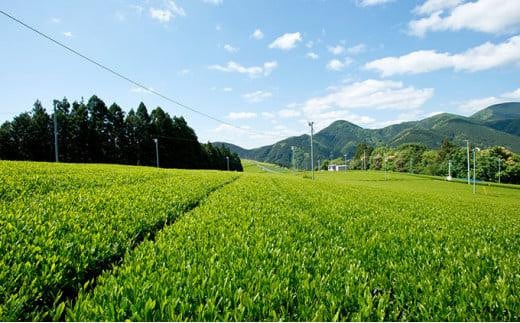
column 128, row 79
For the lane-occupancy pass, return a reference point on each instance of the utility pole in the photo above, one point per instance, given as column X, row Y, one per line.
column 499, row 160
column 292, row 158
column 364, row 160
column 386, row 168
column 469, row 171
column 319, row 165
column 227, row 160
column 311, row 124
column 474, row 168
column 345, row 163
column 156, row 140
column 55, row 119
column 411, row 165
column 449, row 170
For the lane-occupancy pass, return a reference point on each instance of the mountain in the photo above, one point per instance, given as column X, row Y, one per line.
column 495, row 125
column 503, row 117
column 502, row 111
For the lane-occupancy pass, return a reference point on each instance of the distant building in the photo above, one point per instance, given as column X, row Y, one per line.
column 337, row 168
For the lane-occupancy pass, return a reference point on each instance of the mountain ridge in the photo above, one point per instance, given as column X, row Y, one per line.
column 496, row 125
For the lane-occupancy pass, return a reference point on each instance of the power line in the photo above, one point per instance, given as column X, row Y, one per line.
column 128, row 79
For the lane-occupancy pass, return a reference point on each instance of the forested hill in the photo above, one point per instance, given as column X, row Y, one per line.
column 94, row 133
column 497, row 125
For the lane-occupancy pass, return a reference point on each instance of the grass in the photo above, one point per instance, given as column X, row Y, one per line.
column 347, row 246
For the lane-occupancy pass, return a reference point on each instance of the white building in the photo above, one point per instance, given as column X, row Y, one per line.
column 337, row 168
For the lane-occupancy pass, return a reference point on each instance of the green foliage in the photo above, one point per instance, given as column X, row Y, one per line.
column 61, row 225
column 271, row 247
column 94, row 133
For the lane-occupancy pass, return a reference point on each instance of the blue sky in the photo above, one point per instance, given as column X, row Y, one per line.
column 267, row 67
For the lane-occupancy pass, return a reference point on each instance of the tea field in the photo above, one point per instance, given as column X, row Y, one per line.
column 98, row 242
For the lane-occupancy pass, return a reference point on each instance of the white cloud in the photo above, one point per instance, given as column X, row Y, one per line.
column 252, row 71
column 241, row 115
column 230, row 48
column 214, row 2
column 431, row 6
column 161, row 15
column 434, row 113
column 369, row 94
column 336, row 50
column 489, row 16
column 483, row 57
column 246, row 137
column 268, row 115
column 67, row 34
column 377, row 94
column 286, row 41
column 289, row 113
column 257, row 34
column 369, row 3
column 170, row 11
column 257, row 96
column 337, row 65
column 218, row 27
column 401, row 117
column 358, row 49
column 474, row 105
column 55, row 20
column 227, row 89
column 512, row 95
column 312, row 55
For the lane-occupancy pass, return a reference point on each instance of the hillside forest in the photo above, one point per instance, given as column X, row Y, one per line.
column 91, row 132
column 419, row 159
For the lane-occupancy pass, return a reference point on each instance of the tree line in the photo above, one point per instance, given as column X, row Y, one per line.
column 94, row 133
column 419, row 159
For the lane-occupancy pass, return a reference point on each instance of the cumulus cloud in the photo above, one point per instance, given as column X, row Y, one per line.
column 369, row 3
column 377, row 94
column 286, row 41
column 488, row 16
column 337, row 65
column 474, row 105
column 289, row 113
column 336, row 50
column 515, row 95
column 241, row 115
column 252, row 71
column 368, row 94
column 214, row 2
column 483, row 57
column 227, row 89
column 257, row 34
column 230, row 49
column 67, row 34
column 312, row 56
column 245, row 137
column 357, row 49
column 268, row 115
column 167, row 13
column 431, row 6
column 257, row 96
